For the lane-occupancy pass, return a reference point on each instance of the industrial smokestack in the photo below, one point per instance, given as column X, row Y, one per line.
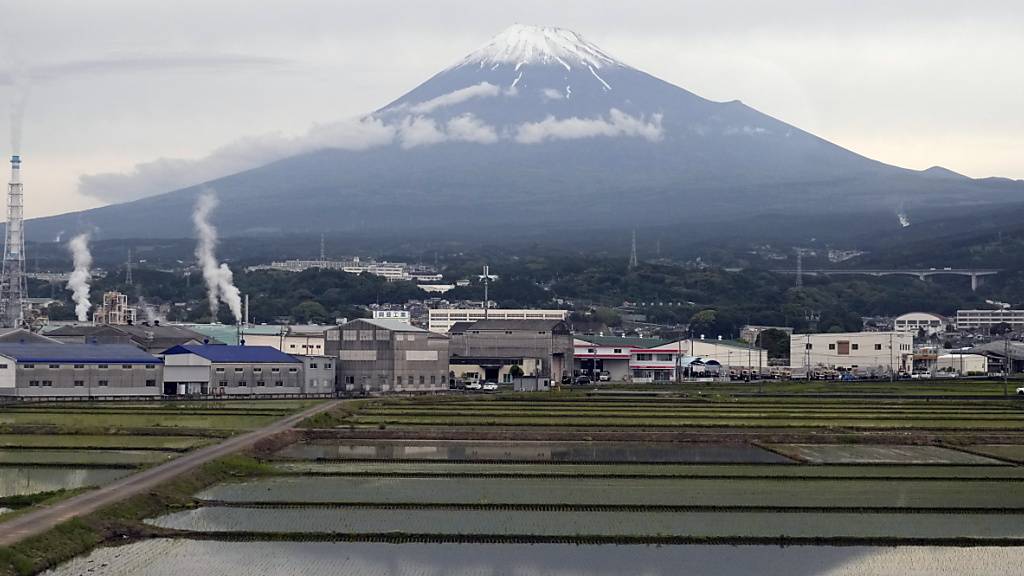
column 13, row 276
column 80, row 277
column 220, row 284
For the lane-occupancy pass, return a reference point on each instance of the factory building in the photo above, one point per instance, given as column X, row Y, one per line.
column 232, row 371
column 388, row 355
column 319, row 374
column 153, row 338
column 78, row 370
column 114, row 309
column 489, row 348
column 442, row 319
column 874, row 353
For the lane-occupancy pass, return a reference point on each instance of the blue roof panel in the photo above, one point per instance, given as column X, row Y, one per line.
column 240, row 354
column 78, row 353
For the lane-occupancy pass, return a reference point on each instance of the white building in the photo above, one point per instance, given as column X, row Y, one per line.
column 867, row 351
column 442, row 319
column 302, row 340
column 985, row 319
column 593, row 355
column 962, row 364
column 912, row 322
column 660, row 363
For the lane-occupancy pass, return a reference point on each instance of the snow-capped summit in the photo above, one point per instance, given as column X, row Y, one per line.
column 520, row 44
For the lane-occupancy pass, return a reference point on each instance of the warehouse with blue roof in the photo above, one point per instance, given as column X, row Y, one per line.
column 42, row 369
column 233, row 371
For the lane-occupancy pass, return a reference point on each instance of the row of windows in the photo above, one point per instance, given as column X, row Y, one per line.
column 399, row 380
column 81, row 383
column 244, row 384
column 327, row 365
column 81, row 366
column 658, row 357
column 259, row 370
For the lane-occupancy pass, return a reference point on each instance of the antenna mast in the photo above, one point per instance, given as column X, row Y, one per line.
column 128, row 269
column 632, row 253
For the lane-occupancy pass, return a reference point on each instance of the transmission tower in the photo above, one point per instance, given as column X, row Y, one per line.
column 12, row 282
column 632, row 252
column 799, row 268
column 128, row 269
column 323, row 254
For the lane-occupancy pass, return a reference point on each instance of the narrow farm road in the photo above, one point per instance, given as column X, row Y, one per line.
column 39, row 521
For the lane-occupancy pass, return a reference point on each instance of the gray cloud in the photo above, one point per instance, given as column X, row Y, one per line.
column 469, row 128
column 137, row 62
column 618, row 124
column 167, row 174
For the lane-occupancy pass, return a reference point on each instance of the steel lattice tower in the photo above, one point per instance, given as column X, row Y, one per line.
column 633, row 262
column 12, row 283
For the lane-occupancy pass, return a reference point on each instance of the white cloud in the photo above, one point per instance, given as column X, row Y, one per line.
column 469, row 128
column 551, row 94
column 618, row 124
column 481, row 90
column 167, row 174
column 420, row 131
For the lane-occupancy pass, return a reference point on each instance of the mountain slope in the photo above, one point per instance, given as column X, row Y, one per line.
column 541, row 130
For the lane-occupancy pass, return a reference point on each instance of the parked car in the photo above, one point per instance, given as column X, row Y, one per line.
column 490, row 386
column 1020, row 391
column 604, row 376
column 582, row 381
column 474, row 386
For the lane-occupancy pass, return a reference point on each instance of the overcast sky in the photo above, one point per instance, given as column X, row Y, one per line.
column 113, row 84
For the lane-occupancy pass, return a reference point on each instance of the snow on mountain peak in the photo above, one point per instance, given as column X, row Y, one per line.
column 520, row 44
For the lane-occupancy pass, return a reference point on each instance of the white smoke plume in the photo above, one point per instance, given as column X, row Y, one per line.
column 220, row 282
column 80, row 277
column 149, row 310
column 18, row 102
column 904, row 219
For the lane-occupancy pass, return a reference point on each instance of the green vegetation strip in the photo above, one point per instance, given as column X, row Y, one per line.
column 119, row 522
column 99, row 442
column 726, row 414
column 1008, row 452
column 950, row 494
column 626, row 470
column 876, row 454
column 582, row 525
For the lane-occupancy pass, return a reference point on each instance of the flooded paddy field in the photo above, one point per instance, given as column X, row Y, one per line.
column 867, row 454
column 100, row 441
column 585, row 525
column 680, row 492
column 67, row 457
column 530, row 451
column 22, row 480
column 174, row 557
column 1011, row 452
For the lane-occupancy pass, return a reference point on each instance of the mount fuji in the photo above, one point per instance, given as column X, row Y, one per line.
column 541, row 130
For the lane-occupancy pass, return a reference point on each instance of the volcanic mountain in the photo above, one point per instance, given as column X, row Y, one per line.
column 541, row 130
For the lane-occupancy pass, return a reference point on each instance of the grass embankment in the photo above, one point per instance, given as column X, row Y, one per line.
column 122, row 521
column 927, row 387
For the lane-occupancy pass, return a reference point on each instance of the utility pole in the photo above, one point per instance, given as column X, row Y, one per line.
column 1006, row 365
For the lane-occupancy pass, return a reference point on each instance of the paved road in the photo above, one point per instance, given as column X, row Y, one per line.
column 41, row 520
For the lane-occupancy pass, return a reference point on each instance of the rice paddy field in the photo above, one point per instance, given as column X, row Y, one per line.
column 50, row 449
column 575, row 485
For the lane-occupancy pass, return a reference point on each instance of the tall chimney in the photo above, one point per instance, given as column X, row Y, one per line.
column 12, row 280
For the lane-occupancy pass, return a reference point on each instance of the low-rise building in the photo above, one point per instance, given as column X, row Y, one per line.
column 320, row 374
column 232, row 371
column 1002, row 355
column 873, row 352
column 303, row 339
column 914, row 322
column 540, row 348
column 442, row 319
column 388, row 355
column 686, row 358
column 153, row 338
column 89, row 370
column 593, row 355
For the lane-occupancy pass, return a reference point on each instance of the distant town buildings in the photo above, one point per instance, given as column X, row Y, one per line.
column 914, row 322
column 393, row 271
column 442, row 319
column 986, row 319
